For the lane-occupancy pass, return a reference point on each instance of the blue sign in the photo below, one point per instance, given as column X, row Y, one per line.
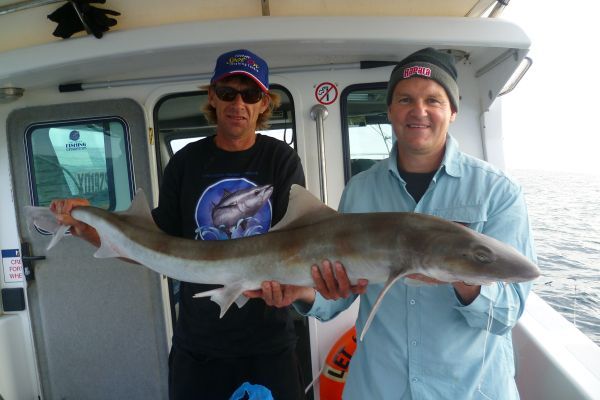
column 11, row 253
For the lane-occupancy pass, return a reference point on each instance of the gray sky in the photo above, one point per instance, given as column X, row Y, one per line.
column 552, row 119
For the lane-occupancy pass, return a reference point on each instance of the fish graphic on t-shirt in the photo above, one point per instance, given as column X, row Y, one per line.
column 236, row 208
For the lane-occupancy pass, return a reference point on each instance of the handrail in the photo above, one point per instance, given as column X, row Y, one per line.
column 319, row 113
column 524, row 67
column 73, row 87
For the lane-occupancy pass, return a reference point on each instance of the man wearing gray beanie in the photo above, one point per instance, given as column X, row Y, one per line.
column 431, row 64
column 429, row 339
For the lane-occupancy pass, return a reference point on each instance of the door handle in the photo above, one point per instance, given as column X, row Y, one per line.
column 33, row 258
column 28, row 261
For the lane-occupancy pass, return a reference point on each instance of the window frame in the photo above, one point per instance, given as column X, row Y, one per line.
column 344, row 120
column 104, row 121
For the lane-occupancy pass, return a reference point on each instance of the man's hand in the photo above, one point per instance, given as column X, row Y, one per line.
column 332, row 285
column 277, row 295
column 62, row 209
column 332, row 282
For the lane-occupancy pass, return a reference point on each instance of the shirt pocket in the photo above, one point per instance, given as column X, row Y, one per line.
column 471, row 216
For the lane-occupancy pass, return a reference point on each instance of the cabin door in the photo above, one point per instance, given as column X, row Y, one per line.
column 98, row 324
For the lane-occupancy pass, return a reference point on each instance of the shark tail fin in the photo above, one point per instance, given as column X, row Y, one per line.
column 394, row 276
column 43, row 220
column 225, row 296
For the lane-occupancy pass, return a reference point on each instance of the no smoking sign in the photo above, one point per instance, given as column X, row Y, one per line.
column 326, row 93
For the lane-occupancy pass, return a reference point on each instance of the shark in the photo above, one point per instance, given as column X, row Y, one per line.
column 381, row 247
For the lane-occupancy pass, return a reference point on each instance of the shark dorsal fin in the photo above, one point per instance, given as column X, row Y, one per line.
column 139, row 205
column 303, row 209
column 139, row 212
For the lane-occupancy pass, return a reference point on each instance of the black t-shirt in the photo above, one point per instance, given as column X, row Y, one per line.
column 200, row 198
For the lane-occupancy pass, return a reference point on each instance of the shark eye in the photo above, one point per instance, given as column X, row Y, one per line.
column 483, row 255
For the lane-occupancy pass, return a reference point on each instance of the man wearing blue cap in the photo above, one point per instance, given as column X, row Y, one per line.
column 429, row 339
column 201, row 195
column 201, row 187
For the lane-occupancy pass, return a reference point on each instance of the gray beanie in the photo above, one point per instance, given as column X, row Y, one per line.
column 427, row 63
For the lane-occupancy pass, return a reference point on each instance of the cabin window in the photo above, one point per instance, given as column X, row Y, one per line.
column 85, row 158
column 179, row 120
column 367, row 133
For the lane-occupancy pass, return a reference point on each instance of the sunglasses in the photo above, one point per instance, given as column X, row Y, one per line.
column 250, row 96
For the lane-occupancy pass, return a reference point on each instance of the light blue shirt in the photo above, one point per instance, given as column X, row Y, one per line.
column 424, row 343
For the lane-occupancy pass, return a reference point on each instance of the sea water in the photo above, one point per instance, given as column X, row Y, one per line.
column 564, row 209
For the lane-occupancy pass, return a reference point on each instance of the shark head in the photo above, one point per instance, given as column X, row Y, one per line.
column 256, row 197
column 457, row 253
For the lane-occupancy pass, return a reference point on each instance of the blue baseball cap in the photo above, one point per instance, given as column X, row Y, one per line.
column 242, row 62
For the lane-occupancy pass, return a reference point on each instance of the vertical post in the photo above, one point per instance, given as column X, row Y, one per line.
column 319, row 113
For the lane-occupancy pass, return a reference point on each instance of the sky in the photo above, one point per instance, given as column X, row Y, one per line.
column 551, row 119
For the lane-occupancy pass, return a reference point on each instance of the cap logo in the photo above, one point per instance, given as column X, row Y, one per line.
column 416, row 70
column 243, row 60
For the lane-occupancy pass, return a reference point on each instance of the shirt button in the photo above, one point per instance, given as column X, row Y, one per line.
column 414, row 342
column 412, row 302
column 415, row 379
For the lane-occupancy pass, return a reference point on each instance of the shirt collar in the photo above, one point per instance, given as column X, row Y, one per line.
column 393, row 162
column 451, row 157
column 450, row 162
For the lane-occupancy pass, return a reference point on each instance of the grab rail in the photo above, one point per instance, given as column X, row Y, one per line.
column 319, row 113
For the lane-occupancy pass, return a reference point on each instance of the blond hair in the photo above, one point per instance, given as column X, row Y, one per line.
column 263, row 119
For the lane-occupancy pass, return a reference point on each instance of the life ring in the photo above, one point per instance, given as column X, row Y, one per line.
column 335, row 370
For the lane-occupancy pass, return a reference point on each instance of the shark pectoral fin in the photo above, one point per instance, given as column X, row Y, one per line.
column 394, row 276
column 224, row 296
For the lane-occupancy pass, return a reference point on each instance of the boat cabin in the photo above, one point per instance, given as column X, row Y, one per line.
column 100, row 117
